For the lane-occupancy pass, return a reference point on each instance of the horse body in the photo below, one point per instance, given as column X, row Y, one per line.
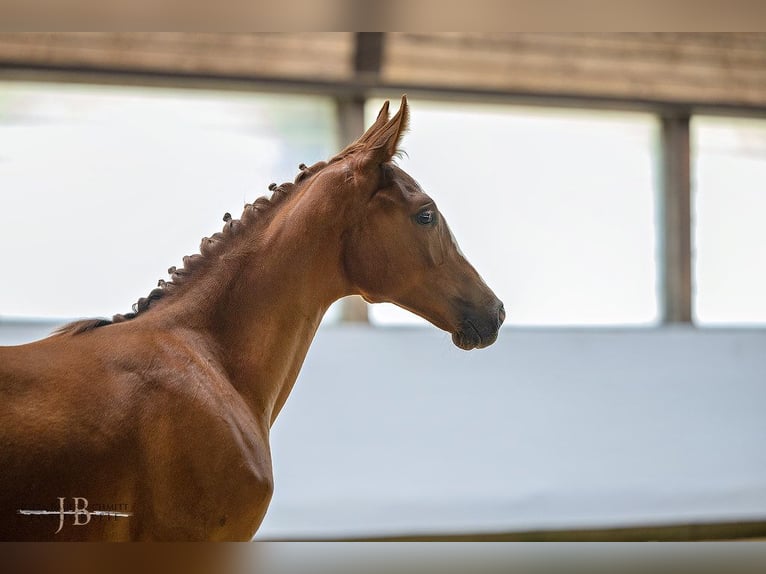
column 124, row 418
column 165, row 414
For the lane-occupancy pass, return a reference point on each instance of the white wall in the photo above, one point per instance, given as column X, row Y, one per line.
column 395, row 431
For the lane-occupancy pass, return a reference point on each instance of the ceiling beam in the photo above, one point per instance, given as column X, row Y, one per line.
column 368, row 54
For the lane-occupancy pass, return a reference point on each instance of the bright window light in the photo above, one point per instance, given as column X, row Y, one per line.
column 103, row 188
column 555, row 208
column 729, row 182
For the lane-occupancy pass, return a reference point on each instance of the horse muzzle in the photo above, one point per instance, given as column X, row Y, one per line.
column 477, row 331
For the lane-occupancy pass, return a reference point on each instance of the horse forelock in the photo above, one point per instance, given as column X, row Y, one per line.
column 253, row 214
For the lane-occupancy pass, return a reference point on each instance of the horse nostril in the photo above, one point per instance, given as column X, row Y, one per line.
column 501, row 315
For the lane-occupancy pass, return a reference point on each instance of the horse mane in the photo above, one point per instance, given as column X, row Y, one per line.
column 210, row 247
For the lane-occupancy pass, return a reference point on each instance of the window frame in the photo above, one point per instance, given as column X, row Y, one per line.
column 675, row 297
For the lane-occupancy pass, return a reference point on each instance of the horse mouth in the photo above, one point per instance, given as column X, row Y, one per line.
column 468, row 337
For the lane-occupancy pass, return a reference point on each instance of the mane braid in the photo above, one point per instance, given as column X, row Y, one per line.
column 253, row 214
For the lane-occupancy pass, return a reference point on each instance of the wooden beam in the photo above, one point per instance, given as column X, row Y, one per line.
column 672, row 67
column 350, row 112
column 368, row 56
column 324, row 56
column 675, row 221
column 634, row 69
column 17, row 72
column 659, row 533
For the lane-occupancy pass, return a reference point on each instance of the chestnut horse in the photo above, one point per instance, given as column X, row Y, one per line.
column 157, row 422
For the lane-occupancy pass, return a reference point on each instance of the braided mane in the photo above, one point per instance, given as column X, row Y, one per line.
column 253, row 214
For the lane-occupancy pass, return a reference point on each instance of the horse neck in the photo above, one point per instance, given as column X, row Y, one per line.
column 261, row 306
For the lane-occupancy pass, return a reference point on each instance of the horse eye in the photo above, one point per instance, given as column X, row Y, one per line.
column 425, row 217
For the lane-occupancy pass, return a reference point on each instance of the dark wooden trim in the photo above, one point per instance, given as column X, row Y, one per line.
column 675, row 221
column 368, row 53
column 665, row 533
column 368, row 89
column 350, row 110
column 351, row 124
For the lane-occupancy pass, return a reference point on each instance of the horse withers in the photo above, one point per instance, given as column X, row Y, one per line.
column 154, row 425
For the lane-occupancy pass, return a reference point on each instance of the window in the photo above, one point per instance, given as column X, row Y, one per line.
column 555, row 208
column 102, row 188
column 729, row 214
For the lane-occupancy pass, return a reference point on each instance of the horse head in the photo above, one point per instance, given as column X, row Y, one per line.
column 398, row 247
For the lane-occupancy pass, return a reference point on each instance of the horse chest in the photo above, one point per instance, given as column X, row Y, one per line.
column 209, row 465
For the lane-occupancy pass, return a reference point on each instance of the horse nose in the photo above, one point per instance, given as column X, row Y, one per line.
column 500, row 315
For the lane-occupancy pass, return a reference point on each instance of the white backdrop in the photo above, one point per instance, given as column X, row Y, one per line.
column 395, row 431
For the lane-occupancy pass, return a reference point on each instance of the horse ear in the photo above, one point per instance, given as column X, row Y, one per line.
column 360, row 143
column 384, row 143
column 379, row 122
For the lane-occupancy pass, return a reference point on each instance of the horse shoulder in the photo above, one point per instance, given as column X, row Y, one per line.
column 204, row 452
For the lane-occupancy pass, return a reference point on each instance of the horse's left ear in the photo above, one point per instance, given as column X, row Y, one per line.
column 383, row 145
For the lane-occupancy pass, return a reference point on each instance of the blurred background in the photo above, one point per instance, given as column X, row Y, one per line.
column 611, row 188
